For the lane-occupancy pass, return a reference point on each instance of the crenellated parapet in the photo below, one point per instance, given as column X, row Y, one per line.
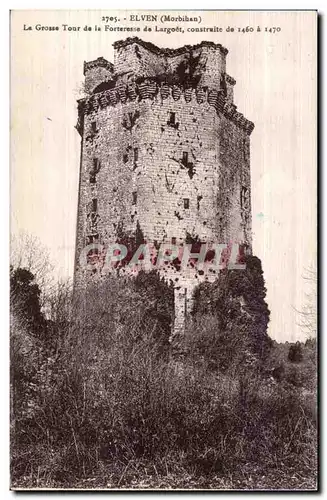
column 152, row 89
column 168, row 51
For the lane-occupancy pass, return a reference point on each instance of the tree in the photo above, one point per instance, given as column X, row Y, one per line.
column 295, row 354
column 27, row 252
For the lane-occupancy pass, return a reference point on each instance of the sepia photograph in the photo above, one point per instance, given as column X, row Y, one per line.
column 163, row 250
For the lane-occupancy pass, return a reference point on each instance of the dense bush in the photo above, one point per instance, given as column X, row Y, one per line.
column 298, row 369
column 295, row 353
column 230, row 318
column 25, row 298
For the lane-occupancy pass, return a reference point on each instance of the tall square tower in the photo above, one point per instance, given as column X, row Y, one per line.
column 165, row 156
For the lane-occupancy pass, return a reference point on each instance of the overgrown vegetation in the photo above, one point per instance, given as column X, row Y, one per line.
column 230, row 319
column 98, row 400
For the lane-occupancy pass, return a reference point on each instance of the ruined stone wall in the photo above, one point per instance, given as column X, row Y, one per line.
column 205, row 62
column 233, row 216
column 135, row 59
column 97, row 72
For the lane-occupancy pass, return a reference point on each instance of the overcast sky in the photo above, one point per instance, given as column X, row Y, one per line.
column 276, row 89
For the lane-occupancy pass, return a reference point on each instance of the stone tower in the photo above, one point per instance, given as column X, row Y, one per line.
column 165, row 155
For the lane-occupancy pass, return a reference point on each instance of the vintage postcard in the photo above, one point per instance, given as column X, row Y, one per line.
column 163, row 276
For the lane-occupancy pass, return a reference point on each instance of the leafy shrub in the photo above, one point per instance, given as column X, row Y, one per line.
column 230, row 318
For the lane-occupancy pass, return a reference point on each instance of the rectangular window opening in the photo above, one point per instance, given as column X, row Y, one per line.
column 136, row 154
column 94, row 205
column 186, row 203
column 244, row 192
column 95, row 170
column 172, row 118
column 185, row 158
column 134, row 194
column 94, row 127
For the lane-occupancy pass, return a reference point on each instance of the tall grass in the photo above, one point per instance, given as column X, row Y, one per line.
column 112, row 407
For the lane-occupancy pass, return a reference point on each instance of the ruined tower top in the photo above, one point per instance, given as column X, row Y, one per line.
column 201, row 66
